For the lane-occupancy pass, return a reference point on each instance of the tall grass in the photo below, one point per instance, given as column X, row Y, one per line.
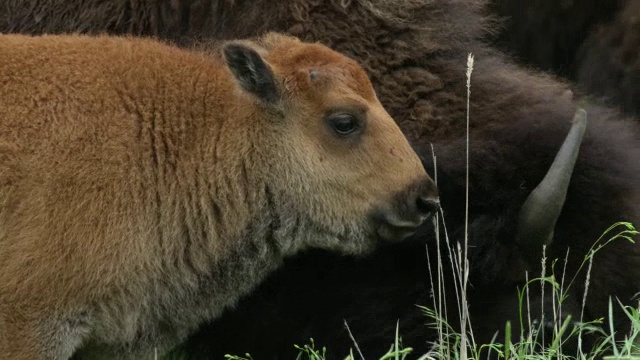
column 525, row 344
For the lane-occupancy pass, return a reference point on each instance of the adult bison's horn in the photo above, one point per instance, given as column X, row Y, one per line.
column 539, row 213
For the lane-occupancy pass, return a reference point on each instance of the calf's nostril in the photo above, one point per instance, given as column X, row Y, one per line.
column 427, row 205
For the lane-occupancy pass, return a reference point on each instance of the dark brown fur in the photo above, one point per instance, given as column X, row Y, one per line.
column 609, row 60
column 594, row 43
column 415, row 53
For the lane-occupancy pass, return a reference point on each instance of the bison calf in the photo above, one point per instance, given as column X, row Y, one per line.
column 144, row 188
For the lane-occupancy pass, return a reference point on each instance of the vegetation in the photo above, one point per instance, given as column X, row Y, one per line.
column 523, row 345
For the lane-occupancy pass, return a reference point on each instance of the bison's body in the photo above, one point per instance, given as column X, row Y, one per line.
column 415, row 53
column 609, row 60
column 549, row 34
column 144, row 188
column 594, row 43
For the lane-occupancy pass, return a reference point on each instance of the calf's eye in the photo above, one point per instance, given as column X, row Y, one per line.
column 344, row 124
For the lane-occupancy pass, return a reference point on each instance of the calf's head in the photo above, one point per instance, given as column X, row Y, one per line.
column 337, row 164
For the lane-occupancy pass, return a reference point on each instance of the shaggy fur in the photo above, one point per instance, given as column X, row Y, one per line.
column 145, row 188
column 609, row 60
column 590, row 42
column 415, row 53
column 594, row 43
column 548, row 34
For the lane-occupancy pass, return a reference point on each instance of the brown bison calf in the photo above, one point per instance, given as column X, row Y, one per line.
column 144, row 188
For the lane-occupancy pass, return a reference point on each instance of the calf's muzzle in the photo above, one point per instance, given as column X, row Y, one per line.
column 408, row 211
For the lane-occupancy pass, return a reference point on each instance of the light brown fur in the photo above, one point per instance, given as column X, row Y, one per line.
column 142, row 190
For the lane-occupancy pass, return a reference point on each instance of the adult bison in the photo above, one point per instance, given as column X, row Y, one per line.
column 414, row 52
column 594, row 43
column 146, row 188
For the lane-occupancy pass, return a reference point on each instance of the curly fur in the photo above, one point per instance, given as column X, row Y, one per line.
column 594, row 43
column 609, row 60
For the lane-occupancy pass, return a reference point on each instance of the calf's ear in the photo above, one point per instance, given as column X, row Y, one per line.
column 252, row 72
